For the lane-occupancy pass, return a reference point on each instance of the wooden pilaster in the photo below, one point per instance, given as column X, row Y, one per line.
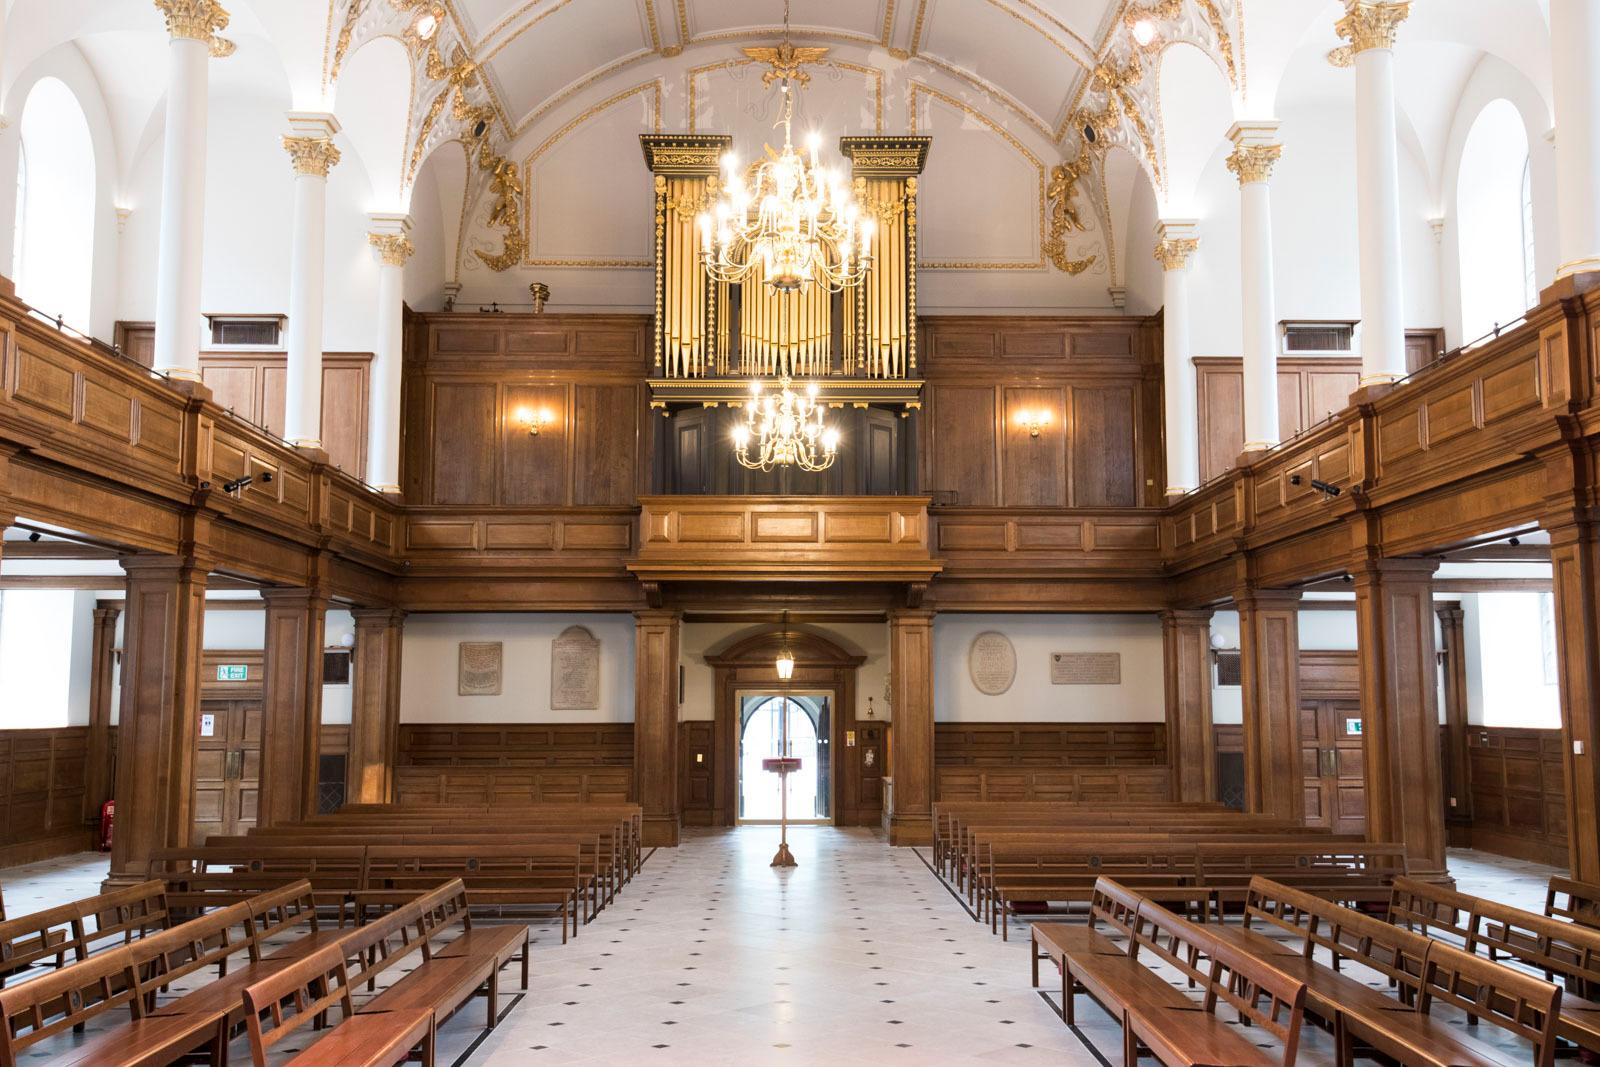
column 1457, row 784
column 160, row 713
column 291, row 704
column 98, row 774
column 1399, row 707
column 1575, row 579
column 1191, row 745
column 375, row 715
column 911, row 675
column 655, row 723
column 1269, row 646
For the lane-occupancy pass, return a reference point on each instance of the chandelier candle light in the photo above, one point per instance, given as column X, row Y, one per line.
column 786, row 429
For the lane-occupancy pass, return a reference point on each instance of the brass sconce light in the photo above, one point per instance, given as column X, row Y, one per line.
column 533, row 420
column 1033, row 421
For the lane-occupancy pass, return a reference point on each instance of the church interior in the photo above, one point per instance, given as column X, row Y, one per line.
column 710, row 531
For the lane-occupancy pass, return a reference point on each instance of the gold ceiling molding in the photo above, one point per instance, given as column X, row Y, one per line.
column 1254, row 162
column 917, row 89
column 502, row 45
column 875, row 74
column 888, row 22
column 457, row 76
column 652, row 26
column 654, row 88
column 512, row 17
column 916, row 26
column 1368, row 24
column 1084, row 59
column 786, row 61
column 573, row 90
column 684, row 40
column 1064, row 217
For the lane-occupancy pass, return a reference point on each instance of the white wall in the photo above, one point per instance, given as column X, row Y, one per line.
column 428, row 676
column 1508, row 649
column 1139, row 698
column 700, row 639
column 36, row 660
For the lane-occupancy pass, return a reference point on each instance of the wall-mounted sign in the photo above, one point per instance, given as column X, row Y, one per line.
column 478, row 668
column 1086, row 668
column 992, row 663
column 208, row 725
column 233, row 672
column 575, row 671
column 1352, row 727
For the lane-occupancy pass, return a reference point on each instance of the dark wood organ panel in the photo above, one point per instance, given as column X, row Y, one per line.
column 695, row 456
column 1096, row 382
column 477, row 384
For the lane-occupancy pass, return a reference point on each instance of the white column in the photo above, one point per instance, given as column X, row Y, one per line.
column 391, row 243
column 1175, row 244
column 1253, row 155
column 192, row 26
column 311, row 149
column 1370, row 28
column 1575, row 47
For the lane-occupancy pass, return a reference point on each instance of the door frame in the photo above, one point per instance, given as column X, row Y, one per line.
column 751, row 665
column 792, row 690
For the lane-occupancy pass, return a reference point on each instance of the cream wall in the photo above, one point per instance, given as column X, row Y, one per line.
column 1031, row 698
column 428, row 679
column 703, row 638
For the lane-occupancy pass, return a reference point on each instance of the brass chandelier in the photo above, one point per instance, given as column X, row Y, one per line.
column 784, row 429
column 795, row 224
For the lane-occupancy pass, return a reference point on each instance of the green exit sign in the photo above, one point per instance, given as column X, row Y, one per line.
column 233, row 672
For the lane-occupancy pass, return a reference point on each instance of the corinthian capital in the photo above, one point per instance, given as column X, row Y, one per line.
column 1173, row 252
column 194, row 20
column 1253, row 162
column 393, row 248
column 311, row 155
column 1369, row 24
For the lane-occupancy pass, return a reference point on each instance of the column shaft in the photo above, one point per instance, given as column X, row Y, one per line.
column 1575, row 576
column 98, row 773
column 1252, row 161
column 655, row 723
column 393, row 249
column 1575, row 77
column 1175, row 244
column 291, row 705
column 161, row 659
column 375, row 717
column 1399, row 707
column 911, row 674
column 302, row 424
column 1191, row 745
column 1457, row 784
column 1269, row 646
column 181, row 243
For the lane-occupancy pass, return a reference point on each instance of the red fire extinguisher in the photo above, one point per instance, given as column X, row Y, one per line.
column 108, row 815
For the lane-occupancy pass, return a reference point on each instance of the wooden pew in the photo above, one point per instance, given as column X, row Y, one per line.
column 501, row 876
column 61, row 1001
column 1575, row 901
column 201, row 878
column 75, row 931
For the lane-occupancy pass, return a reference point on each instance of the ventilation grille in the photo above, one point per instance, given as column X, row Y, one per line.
column 261, row 330
column 1230, row 669
column 1318, row 336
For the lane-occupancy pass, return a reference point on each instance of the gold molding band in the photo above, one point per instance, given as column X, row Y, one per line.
column 1173, row 253
column 194, row 20
column 1369, row 24
column 1253, row 162
column 311, row 155
column 393, row 248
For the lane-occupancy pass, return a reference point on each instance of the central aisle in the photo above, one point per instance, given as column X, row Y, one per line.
column 859, row 955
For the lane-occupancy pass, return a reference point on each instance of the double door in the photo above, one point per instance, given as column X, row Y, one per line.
column 227, row 776
column 1333, row 760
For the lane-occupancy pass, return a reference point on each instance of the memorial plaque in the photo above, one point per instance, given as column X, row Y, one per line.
column 478, row 668
column 575, row 671
column 992, row 662
column 1086, row 668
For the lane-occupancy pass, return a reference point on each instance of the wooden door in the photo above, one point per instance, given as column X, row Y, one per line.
column 1333, row 758
column 227, row 768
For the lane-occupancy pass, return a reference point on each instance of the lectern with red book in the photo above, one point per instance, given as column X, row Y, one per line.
column 783, row 766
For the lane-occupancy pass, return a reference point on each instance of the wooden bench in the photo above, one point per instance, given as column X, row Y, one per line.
column 58, row 1002
column 1574, row 901
column 201, row 878
column 498, row 876
column 1158, row 1016
column 77, row 930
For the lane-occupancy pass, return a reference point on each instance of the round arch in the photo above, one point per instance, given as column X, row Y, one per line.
column 56, row 201
column 1494, row 221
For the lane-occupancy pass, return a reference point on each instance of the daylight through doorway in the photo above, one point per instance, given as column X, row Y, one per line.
column 785, row 724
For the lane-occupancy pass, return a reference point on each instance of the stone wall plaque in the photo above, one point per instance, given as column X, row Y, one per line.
column 992, row 663
column 1086, row 668
column 478, row 668
column 575, row 671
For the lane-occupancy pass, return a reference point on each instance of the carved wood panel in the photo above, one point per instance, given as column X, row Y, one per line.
column 252, row 384
column 1309, row 389
column 1047, row 744
column 1518, row 792
column 42, row 783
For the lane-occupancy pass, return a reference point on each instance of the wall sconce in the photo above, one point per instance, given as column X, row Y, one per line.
column 533, row 420
column 1033, row 421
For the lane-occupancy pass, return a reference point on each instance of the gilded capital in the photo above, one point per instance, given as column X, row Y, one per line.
column 311, row 155
column 1369, row 24
column 1253, row 162
column 194, row 20
column 1173, row 253
column 393, row 248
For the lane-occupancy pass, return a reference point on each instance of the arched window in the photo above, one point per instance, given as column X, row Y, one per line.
column 1492, row 214
column 55, row 205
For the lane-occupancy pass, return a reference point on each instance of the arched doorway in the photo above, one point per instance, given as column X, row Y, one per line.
column 785, row 724
column 823, row 671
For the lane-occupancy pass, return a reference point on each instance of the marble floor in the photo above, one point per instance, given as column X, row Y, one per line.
column 859, row 955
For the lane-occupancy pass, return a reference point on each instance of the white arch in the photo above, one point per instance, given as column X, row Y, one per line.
column 1488, row 207
column 1196, row 111
column 56, row 207
column 373, row 85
